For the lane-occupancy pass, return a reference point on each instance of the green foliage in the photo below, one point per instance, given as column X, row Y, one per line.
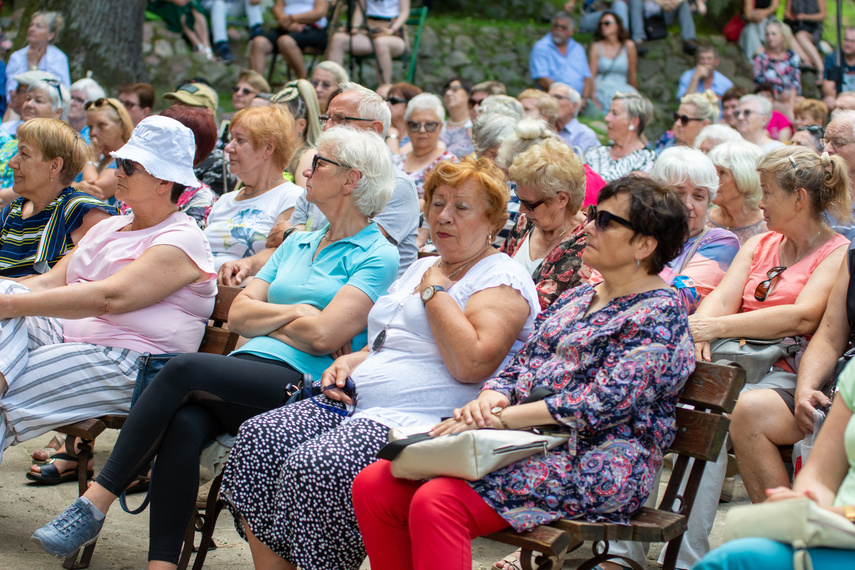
column 504, row 10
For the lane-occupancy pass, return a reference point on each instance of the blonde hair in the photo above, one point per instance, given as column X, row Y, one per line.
column 706, row 103
column 258, row 82
column 337, row 70
column 551, row 167
column 268, row 124
column 825, row 178
column 57, row 139
column 527, row 132
column 786, row 31
column 119, row 114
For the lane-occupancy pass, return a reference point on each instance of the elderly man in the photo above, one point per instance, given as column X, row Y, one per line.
column 704, row 76
column 398, row 221
column 846, row 68
column 558, row 57
column 845, row 101
column 840, row 138
column 580, row 137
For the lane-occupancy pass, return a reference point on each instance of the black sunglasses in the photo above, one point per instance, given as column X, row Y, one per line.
column 430, row 126
column 317, row 158
column 765, row 286
column 812, row 129
column 602, row 218
column 395, row 100
column 530, row 205
column 242, row 90
column 684, row 119
column 100, row 102
column 473, row 102
column 54, row 83
column 128, row 166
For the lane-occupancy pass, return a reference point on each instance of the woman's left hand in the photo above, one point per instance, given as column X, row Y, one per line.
column 434, row 276
column 474, row 415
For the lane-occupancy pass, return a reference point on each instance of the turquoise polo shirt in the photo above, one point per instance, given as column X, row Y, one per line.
column 366, row 261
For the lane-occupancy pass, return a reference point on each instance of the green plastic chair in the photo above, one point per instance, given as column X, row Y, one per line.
column 416, row 20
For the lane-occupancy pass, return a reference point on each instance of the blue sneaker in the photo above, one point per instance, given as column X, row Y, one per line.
column 79, row 525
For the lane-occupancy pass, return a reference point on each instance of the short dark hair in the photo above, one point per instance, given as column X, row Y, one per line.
column 735, row 92
column 654, row 211
column 144, row 92
column 465, row 83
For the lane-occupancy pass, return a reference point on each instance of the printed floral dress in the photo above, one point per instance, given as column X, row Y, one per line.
column 617, row 374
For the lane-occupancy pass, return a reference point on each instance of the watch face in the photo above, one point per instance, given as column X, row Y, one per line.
column 427, row 293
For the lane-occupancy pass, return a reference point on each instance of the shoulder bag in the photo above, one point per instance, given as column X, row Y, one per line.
column 756, row 356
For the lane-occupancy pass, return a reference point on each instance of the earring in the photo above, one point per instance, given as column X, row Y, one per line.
column 631, row 127
column 637, row 263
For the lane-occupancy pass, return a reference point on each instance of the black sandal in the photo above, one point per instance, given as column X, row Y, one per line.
column 50, row 475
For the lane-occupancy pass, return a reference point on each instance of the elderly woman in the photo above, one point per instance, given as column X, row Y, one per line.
column 446, row 325
column 625, row 422
column 308, row 302
column 502, row 104
column 326, row 79
column 400, row 94
column 110, row 127
column 107, row 301
column 301, row 101
column 752, row 116
column 777, row 286
column 49, row 154
column 696, row 111
column 249, row 84
column 456, row 130
column 246, row 221
column 713, row 135
column 377, row 29
column 707, row 252
column 625, row 121
column 549, row 236
column 738, row 190
column 39, row 53
column 488, row 132
column 809, row 136
column 83, row 90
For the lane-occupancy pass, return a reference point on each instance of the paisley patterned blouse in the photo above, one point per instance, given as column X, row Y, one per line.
column 562, row 268
column 617, row 374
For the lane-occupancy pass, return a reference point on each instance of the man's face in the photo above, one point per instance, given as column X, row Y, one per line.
column 19, row 95
column 728, row 111
column 561, row 31
column 849, row 43
column 566, row 109
column 347, row 105
column 708, row 59
column 131, row 101
column 840, row 140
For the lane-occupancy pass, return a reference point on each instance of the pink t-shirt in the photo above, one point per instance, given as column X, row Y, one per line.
column 175, row 324
column 593, row 183
column 777, row 123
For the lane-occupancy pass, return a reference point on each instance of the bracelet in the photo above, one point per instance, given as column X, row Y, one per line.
column 497, row 411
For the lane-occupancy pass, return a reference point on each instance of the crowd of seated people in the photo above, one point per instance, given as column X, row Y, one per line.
column 535, row 233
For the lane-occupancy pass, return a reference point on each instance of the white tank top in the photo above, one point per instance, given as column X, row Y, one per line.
column 293, row 7
column 523, row 256
column 386, row 9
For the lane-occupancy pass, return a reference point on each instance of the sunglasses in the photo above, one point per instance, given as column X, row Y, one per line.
column 100, row 102
column 684, row 119
column 530, row 205
column 473, row 102
column 340, row 119
column 318, row 83
column 243, row 90
column 349, row 390
column 317, row 158
column 765, row 286
column 601, row 219
column 128, row 166
column 395, row 100
column 605, row 23
column 430, row 126
column 744, row 113
column 812, row 129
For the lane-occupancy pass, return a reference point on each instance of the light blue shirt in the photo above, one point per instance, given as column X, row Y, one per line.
column 720, row 83
column 366, row 261
column 547, row 61
column 577, row 134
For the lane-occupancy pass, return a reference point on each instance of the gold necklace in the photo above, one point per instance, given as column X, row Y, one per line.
column 254, row 193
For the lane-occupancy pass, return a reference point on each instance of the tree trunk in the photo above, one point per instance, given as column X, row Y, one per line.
column 104, row 36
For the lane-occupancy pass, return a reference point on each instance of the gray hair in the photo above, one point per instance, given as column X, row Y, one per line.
column 490, row 129
column 54, row 20
column 740, row 158
column 562, row 15
column 90, row 87
column 372, row 106
column 680, row 164
column 527, row 132
column 427, row 101
column 718, row 133
column 337, row 70
column 502, row 104
column 845, row 116
column 572, row 94
column 58, row 94
column 764, row 106
column 637, row 107
column 364, row 151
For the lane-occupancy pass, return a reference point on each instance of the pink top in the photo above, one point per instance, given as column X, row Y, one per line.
column 777, row 123
column 593, row 183
column 174, row 324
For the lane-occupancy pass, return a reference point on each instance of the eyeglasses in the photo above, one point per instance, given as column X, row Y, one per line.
column 319, row 83
column 743, row 112
column 530, row 205
column 836, row 143
column 473, row 102
column 340, row 119
column 430, row 126
column 128, row 166
column 100, row 102
column 765, row 286
column 395, row 100
column 349, row 390
column 560, row 97
column 607, row 23
column 243, row 90
column 54, row 83
column 684, row 119
column 129, row 104
column 317, row 158
column 79, row 100
column 601, row 219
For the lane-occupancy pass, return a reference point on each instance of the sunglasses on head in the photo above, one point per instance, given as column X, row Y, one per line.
column 54, row 83
column 395, row 100
column 430, row 126
column 765, row 286
column 100, row 102
column 602, row 219
column 684, row 119
column 128, row 166
column 812, row 129
column 317, row 158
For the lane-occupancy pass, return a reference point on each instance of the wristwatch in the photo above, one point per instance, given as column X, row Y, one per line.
column 432, row 290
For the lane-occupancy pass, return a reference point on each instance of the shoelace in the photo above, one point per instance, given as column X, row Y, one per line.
column 66, row 522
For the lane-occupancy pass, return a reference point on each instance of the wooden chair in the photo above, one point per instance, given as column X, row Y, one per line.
column 711, row 391
column 217, row 340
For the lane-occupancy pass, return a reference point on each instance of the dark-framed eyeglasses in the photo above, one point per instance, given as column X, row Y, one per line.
column 530, row 205
column 127, row 166
column 243, row 90
column 340, row 119
column 684, row 119
column 320, row 83
column 349, row 390
column 429, row 127
column 763, row 288
column 395, row 100
column 602, row 219
column 317, row 158
column 129, row 104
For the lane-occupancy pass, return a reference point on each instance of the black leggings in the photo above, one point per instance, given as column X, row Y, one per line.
column 192, row 400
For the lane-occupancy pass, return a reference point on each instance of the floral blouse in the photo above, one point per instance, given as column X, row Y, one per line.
column 782, row 73
column 195, row 202
column 561, row 269
column 457, row 140
column 418, row 177
column 617, row 374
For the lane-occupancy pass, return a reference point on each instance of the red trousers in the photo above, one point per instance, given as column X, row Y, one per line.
column 417, row 525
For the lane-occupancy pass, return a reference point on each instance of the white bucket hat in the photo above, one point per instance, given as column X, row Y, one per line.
column 164, row 147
